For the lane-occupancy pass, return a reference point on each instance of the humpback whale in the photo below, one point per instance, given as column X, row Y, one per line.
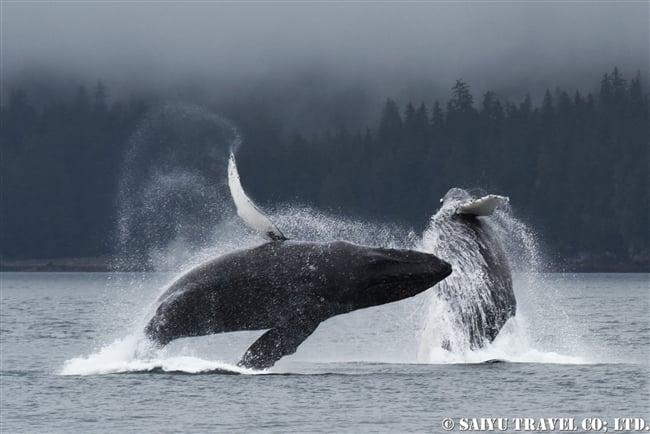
column 285, row 287
column 480, row 292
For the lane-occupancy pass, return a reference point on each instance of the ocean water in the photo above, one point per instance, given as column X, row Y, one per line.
column 72, row 360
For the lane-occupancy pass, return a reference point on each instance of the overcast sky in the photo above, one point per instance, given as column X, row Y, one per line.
column 396, row 48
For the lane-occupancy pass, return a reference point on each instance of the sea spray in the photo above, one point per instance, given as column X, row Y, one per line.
column 449, row 308
column 133, row 354
column 536, row 290
column 176, row 212
column 477, row 299
column 172, row 189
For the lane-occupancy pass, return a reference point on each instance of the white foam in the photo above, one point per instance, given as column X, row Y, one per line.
column 133, row 354
column 513, row 344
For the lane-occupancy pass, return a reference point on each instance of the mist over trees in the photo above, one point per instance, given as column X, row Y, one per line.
column 575, row 166
column 60, row 166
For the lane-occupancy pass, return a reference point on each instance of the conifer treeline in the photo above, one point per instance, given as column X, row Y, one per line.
column 59, row 166
column 576, row 166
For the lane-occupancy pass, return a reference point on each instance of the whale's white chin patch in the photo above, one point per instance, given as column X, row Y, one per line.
column 246, row 209
column 483, row 206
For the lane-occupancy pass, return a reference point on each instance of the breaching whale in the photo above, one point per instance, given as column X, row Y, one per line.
column 286, row 287
column 480, row 293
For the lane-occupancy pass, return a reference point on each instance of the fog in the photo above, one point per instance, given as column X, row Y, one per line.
column 365, row 51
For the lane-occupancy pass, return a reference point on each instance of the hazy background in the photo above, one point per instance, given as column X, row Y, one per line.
column 102, row 101
column 309, row 54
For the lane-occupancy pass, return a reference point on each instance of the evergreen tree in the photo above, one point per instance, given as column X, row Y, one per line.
column 390, row 125
column 582, row 155
column 462, row 99
column 100, row 97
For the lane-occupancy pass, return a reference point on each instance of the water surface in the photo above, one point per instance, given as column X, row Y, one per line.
column 72, row 361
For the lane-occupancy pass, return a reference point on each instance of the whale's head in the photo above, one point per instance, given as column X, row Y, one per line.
column 455, row 196
column 370, row 276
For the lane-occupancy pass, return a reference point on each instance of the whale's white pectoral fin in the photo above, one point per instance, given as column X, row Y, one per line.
column 246, row 209
column 483, row 206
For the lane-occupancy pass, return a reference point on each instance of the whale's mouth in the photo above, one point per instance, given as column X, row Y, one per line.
column 432, row 271
column 401, row 279
column 408, row 284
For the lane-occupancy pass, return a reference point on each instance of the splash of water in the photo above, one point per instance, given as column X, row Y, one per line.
column 132, row 354
column 176, row 212
column 526, row 338
column 445, row 336
column 172, row 189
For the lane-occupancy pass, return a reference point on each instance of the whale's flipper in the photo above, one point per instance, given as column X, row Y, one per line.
column 246, row 209
column 277, row 343
column 483, row 206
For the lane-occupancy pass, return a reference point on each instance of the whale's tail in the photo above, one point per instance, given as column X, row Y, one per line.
column 247, row 210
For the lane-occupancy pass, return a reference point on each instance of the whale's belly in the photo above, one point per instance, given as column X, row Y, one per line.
column 219, row 308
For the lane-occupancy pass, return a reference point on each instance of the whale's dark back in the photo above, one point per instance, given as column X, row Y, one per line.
column 277, row 282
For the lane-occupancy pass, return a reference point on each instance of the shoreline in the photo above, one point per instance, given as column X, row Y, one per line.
column 110, row 264
column 90, row 264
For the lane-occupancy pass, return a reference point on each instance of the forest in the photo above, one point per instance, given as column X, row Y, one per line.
column 575, row 166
